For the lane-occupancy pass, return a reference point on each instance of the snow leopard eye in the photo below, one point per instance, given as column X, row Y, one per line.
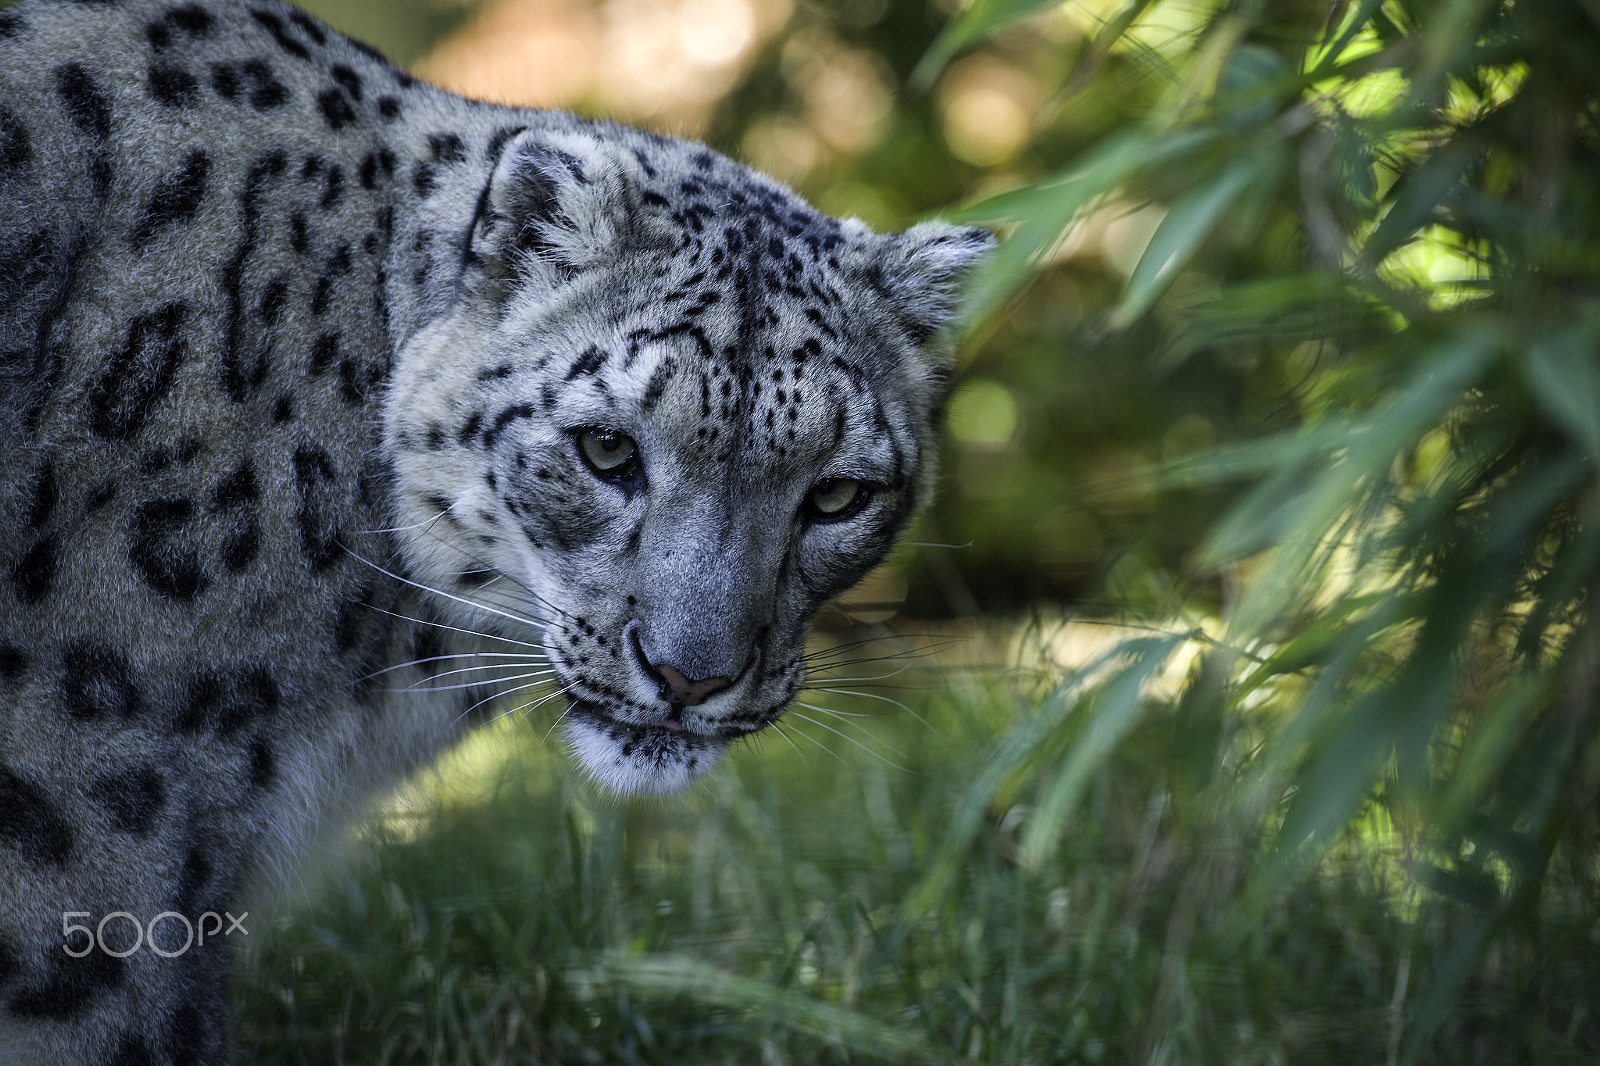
column 612, row 456
column 834, row 499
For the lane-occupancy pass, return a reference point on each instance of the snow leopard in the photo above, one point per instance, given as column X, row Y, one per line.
column 337, row 410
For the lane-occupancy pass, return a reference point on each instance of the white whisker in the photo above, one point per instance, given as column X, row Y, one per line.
column 538, row 599
column 424, row 685
column 507, row 693
column 866, row 679
column 872, row 696
column 457, row 629
column 876, row 715
column 807, row 736
column 559, row 719
column 778, row 728
column 848, row 718
column 444, row 658
column 402, row 529
column 486, row 666
column 816, row 662
column 521, row 710
column 870, row 751
column 519, row 619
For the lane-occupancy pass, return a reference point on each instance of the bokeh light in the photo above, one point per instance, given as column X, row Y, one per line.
column 662, row 63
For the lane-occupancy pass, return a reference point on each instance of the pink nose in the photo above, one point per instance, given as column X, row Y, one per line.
column 686, row 691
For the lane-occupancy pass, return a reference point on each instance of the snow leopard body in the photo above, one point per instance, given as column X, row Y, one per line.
column 334, row 406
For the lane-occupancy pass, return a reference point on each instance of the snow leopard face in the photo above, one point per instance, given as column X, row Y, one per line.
column 669, row 412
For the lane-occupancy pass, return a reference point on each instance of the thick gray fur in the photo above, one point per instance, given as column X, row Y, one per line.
column 298, row 362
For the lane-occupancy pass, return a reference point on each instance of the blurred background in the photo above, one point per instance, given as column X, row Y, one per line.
column 1236, row 701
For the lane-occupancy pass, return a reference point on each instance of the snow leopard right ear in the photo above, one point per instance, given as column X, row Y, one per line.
column 557, row 203
column 919, row 273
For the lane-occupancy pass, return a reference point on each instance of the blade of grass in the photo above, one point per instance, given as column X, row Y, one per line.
column 1114, row 711
column 1020, row 746
column 681, row 975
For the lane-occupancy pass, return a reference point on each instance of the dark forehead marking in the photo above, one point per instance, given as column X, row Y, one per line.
column 504, row 419
column 897, row 451
column 745, row 248
column 899, row 446
column 657, row 385
column 679, row 329
column 758, row 247
column 592, row 359
column 775, row 218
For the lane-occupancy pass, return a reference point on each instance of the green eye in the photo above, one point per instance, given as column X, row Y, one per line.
column 836, row 497
column 610, row 455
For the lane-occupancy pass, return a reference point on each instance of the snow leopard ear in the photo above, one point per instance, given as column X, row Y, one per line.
column 920, row 273
column 557, row 203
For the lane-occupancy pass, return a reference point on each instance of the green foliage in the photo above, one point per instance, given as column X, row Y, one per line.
column 1408, row 554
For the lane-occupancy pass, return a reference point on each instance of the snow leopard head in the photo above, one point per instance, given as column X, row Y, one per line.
column 662, row 412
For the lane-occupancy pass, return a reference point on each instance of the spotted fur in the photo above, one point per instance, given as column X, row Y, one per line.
column 304, row 366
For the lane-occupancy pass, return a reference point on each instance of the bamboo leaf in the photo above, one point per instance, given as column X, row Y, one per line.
column 1178, row 236
column 1331, row 55
column 1044, row 211
column 1473, row 888
column 1297, row 505
column 1335, row 781
column 1458, row 964
column 975, row 24
column 1092, row 57
column 1257, row 456
column 1311, row 644
column 1420, row 195
column 1560, row 371
column 1489, row 742
column 1335, row 688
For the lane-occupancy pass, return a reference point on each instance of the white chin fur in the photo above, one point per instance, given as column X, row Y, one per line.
column 656, row 764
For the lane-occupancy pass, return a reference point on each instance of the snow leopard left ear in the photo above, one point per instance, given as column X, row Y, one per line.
column 920, row 273
column 557, row 203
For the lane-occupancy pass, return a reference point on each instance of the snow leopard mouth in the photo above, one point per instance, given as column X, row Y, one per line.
column 657, row 757
column 673, row 725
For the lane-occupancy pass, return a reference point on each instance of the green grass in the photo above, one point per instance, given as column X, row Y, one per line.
column 512, row 915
